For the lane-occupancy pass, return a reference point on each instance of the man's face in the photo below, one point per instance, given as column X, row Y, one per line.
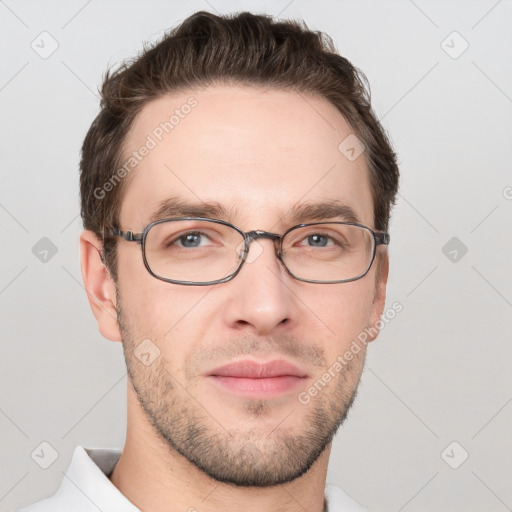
column 258, row 153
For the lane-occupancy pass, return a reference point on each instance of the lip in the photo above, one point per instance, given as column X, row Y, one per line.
column 249, row 369
column 258, row 380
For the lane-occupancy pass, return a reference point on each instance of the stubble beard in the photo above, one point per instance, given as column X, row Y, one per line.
column 249, row 458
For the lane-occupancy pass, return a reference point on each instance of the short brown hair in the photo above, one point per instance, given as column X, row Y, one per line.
column 238, row 49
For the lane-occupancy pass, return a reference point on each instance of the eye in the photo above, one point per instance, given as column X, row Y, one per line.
column 321, row 240
column 189, row 240
column 318, row 240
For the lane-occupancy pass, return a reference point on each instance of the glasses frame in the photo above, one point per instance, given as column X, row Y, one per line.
column 379, row 237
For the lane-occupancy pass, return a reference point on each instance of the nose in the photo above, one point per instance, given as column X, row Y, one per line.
column 260, row 297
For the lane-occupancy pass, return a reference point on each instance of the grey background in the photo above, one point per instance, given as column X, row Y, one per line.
column 439, row 372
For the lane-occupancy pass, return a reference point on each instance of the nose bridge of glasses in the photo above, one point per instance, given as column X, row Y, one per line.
column 257, row 233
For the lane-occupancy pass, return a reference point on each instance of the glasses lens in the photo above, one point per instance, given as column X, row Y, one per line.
column 328, row 252
column 193, row 250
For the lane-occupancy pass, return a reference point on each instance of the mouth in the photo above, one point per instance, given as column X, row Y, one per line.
column 249, row 378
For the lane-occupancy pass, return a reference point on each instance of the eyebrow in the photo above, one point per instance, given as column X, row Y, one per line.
column 177, row 207
column 298, row 214
column 326, row 210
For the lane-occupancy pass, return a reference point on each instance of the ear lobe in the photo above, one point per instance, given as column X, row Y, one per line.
column 379, row 299
column 99, row 285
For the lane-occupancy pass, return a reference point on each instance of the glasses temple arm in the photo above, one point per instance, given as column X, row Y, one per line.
column 382, row 238
column 129, row 236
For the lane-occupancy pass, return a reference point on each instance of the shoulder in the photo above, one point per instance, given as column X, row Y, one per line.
column 85, row 486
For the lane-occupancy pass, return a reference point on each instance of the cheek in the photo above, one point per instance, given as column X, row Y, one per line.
column 345, row 309
column 148, row 302
column 159, row 311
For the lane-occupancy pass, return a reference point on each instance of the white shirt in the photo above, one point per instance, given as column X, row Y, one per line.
column 85, row 487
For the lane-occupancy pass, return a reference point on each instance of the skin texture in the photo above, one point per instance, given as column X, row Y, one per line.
column 190, row 443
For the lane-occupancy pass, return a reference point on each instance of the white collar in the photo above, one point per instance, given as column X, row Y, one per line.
column 85, row 487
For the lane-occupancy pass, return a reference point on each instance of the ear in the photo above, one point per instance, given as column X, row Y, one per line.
column 379, row 299
column 99, row 285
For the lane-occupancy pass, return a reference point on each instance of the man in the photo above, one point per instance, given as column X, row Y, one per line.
column 236, row 190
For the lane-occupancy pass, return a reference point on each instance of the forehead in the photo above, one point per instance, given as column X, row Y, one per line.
column 257, row 152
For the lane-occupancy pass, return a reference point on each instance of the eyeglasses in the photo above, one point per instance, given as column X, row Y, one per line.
column 201, row 251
